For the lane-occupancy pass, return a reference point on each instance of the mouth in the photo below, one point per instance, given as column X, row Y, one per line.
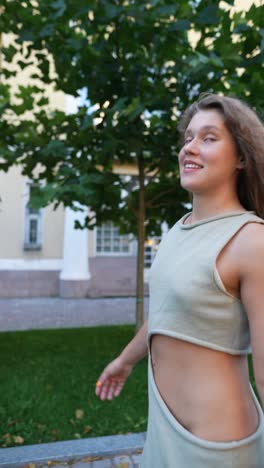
column 191, row 166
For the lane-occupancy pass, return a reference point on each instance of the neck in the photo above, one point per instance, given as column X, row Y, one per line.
column 205, row 207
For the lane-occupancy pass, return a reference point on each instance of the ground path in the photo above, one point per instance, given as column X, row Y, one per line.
column 25, row 314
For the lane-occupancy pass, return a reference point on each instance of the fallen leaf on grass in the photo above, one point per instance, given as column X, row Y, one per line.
column 7, row 439
column 79, row 414
column 87, row 429
column 18, row 439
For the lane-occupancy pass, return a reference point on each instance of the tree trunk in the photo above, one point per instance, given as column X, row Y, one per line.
column 141, row 245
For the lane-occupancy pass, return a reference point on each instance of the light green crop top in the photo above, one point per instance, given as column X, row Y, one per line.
column 188, row 300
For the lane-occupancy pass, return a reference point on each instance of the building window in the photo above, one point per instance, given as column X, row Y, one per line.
column 110, row 242
column 151, row 247
column 33, row 225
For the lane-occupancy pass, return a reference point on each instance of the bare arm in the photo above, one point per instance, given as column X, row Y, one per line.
column 252, row 295
column 114, row 376
column 137, row 348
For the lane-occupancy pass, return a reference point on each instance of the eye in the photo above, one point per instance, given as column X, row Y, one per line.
column 187, row 140
column 209, row 138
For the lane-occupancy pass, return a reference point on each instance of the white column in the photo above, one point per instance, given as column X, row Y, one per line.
column 75, row 249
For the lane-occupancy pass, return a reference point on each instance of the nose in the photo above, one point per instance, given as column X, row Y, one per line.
column 191, row 146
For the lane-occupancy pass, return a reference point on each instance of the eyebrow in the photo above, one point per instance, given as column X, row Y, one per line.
column 205, row 127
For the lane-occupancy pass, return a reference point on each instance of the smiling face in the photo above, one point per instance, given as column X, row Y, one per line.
column 208, row 160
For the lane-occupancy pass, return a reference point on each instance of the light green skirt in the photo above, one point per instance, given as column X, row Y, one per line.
column 170, row 445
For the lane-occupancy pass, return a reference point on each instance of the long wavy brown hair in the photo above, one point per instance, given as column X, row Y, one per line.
column 247, row 131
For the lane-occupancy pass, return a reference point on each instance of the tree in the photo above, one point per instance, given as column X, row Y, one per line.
column 136, row 67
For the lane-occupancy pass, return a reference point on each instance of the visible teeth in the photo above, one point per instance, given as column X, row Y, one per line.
column 192, row 166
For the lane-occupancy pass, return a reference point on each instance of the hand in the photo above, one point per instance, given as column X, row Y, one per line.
column 112, row 379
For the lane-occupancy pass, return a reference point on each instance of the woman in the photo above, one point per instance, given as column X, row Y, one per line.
column 206, row 302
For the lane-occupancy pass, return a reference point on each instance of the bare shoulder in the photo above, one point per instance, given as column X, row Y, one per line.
column 250, row 244
column 252, row 233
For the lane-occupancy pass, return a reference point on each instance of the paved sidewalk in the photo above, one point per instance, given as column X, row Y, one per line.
column 49, row 312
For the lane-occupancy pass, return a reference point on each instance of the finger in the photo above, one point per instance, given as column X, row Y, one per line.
column 118, row 388
column 104, row 390
column 98, row 387
column 112, row 389
column 101, row 390
column 101, row 382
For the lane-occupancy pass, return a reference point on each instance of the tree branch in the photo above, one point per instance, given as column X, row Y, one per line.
column 159, row 205
column 161, row 195
column 152, row 177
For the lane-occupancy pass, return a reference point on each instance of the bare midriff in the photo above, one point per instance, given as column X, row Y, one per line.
column 207, row 391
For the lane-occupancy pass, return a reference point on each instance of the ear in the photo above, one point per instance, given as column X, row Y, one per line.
column 240, row 164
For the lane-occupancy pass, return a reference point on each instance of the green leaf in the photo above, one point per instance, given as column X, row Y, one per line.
column 120, row 104
column 198, row 59
column 134, row 109
column 154, row 2
column 242, row 27
column 262, row 39
column 4, row 92
column 47, row 31
column 167, row 10
column 26, row 35
column 216, row 61
column 88, row 121
column 181, row 25
column 60, row 6
column 209, row 15
column 43, row 101
column 255, row 14
column 42, row 196
column 112, row 11
column 55, row 148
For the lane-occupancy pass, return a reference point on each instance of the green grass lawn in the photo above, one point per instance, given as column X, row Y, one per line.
column 46, row 376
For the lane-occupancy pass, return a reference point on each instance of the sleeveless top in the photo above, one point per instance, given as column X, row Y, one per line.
column 188, row 300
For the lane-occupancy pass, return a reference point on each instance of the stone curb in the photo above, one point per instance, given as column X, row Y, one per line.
column 17, row 457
